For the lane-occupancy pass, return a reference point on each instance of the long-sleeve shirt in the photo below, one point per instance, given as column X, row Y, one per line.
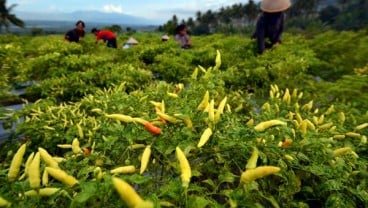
column 271, row 26
column 184, row 40
column 105, row 35
column 74, row 35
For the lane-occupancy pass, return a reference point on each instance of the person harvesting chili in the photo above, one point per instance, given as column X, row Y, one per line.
column 106, row 36
column 183, row 37
column 270, row 24
column 77, row 33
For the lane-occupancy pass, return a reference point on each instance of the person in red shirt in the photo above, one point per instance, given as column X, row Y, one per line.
column 106, row 36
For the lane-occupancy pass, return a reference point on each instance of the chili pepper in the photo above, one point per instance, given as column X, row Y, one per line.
column 259, row 172
column 120, row 117
column 45, row 178
column 65, row 146
column 252, row 162
column 167, row 117
column 75, row 146
column 80, row 131
column 129, row 195
column 42, row 192
column 4, row 202
column 353, row 134
column 47, row 158
column 204, row 138
column 185, row 169
column 145, row 158
column 153, row 129
column 62, row 176
column 204, row 103
column 16, row 163
column 340, row 151
column 123, row 169
column 361, row 126
column 34, row 172
column 267, row 124
column 250, row 122
column 26, row 166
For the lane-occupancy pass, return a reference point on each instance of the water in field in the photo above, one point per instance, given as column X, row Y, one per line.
column 7, row 129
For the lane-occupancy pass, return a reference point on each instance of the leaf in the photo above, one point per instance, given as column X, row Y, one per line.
column 198, row 202
column 226, row 177
column 211, row 183
column 89, row 189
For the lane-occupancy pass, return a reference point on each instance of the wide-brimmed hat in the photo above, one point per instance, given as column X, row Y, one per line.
column 165, row 37
column 275, row 5
column 132, row 41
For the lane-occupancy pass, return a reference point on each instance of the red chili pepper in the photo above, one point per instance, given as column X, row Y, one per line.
column 153, row 129
column 86, row 151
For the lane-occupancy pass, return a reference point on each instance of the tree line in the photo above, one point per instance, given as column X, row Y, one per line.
column 7, row 18
column 336, row 14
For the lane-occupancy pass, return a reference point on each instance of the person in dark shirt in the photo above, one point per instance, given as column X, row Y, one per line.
column 105, row 35
column 270, row 24
column 77, row 33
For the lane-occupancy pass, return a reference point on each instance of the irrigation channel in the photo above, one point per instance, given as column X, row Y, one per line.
column 7, row 129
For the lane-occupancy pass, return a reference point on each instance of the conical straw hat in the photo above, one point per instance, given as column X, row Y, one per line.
column 165, row 37
column 132, row 41
column 275, row 5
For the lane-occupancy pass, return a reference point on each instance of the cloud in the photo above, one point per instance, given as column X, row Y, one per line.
column 110, row 8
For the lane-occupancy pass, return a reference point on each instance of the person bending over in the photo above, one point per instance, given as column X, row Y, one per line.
column 270, row 23
column 77, row 33
column 106, row 36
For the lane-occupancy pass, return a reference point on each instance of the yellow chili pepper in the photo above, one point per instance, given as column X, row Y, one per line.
column 185, row 169
column 34, row 172
column 267, row 124
column 62, row 176
column 145, row 158
column 120, row 117
column 204, row 138
column 129, row 195
column 47, row 158
column 16, row 163
column 123, row 169
column 259, row 172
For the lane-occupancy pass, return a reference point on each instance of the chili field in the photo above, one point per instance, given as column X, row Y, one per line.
column 158, row 126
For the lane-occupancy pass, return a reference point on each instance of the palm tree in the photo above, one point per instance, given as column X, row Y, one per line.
column 6, row 18
column 251, row 10
column 199, row 15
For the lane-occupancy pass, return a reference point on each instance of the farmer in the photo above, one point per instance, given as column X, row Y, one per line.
column 270, row 24
column 182, row 36
column 77, row 33
column 105, row 35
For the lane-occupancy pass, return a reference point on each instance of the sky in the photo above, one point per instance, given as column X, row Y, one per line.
column 159, row 10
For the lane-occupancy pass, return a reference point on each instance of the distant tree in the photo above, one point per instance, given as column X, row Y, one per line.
column 198, row 15
column 169, row 27
column 190, row 22
column 36, row 31
column 329, row 14
column 224, row 15
column 251, row 10
column 174, row 20
column 116, row 28
column 304, row 8
column 6, row 18
column 130, row 30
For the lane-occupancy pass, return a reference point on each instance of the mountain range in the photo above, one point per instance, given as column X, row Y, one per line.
column 87, row 16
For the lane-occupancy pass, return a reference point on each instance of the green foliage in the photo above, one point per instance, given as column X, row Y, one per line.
column 339, row 53
column 78, row 84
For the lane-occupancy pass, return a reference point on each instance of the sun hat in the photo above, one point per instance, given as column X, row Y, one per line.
column 165, row 37
column 132, row 41
column 275, row 5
